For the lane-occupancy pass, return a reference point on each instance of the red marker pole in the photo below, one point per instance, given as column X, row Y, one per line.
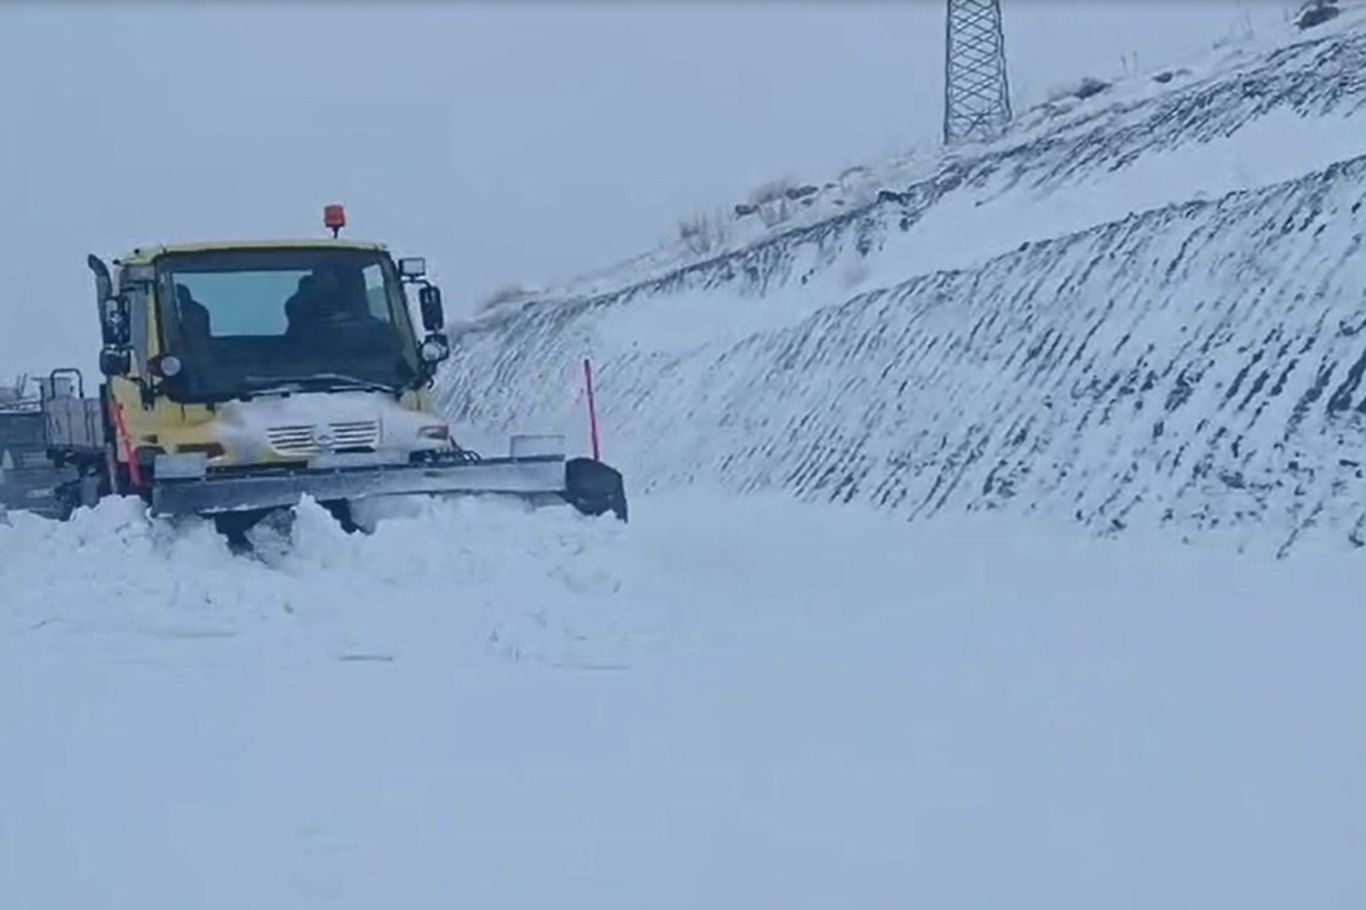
column 592, row 407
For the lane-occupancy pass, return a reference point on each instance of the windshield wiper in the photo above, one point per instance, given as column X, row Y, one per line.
column 328, row 382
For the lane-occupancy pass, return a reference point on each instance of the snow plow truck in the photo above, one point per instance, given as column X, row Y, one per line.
column 240, row 377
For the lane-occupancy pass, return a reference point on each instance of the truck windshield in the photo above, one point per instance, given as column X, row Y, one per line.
column 253, row 320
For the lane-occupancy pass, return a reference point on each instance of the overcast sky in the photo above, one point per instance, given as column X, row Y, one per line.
column 505, row 141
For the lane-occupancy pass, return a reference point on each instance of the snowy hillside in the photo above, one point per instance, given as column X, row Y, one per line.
column 1140, row 310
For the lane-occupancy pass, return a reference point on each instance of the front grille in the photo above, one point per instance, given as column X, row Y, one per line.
column 304, row 440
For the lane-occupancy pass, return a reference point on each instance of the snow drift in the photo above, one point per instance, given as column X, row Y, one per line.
column 726, row 704
column 111, row 571
column 1143, row 310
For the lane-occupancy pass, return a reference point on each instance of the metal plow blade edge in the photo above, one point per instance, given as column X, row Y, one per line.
column 182, row 485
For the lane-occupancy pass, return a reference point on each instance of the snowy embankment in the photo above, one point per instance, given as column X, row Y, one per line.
column 1142, row 312
column 726, row 704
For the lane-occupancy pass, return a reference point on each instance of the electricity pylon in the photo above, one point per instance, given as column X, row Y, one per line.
column 976, row 90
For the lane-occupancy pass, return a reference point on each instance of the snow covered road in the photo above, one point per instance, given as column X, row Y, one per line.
column 727, row 703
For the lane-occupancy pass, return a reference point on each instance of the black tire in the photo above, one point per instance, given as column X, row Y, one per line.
column 340, row 509
column 235, row 526
column 88, row 487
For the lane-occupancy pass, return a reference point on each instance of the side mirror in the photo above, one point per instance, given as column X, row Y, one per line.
column 116, row 362
column 114, row 326
column 412, row 267
column 433, row 317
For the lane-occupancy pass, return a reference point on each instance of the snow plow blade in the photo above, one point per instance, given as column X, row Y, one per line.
column 182, row 487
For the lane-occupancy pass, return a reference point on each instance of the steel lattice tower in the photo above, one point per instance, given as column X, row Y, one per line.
column 976, row 91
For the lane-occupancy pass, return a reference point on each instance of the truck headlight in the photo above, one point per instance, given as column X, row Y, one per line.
column 435, row 431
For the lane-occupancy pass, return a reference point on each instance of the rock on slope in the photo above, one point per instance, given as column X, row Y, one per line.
column 1145, row 313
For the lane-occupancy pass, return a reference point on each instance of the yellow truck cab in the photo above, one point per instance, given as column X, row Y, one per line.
column 241, row 376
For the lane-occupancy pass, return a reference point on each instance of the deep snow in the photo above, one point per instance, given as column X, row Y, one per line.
column 727, row 703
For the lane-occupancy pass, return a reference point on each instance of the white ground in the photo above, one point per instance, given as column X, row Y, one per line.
column 723, row 704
